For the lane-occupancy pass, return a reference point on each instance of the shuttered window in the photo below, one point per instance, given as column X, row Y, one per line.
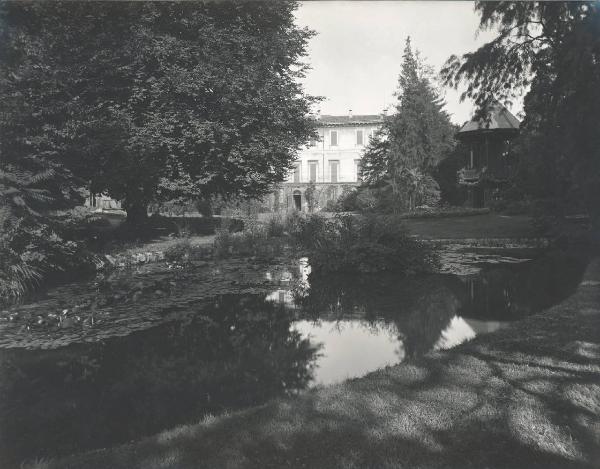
column 312, row 170
column 334, row 169
column 357, row 168
column 297, row 172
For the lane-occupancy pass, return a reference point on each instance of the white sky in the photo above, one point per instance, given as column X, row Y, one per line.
column 356, row 54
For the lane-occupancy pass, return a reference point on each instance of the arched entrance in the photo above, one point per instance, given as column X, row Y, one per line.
column 297, row 196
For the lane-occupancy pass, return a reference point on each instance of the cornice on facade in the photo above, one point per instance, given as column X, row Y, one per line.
column 334, row 121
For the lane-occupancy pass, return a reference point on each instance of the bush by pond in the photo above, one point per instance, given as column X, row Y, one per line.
column 256, row 242
column 33, row 252
column 362, row 244
column 184, row 250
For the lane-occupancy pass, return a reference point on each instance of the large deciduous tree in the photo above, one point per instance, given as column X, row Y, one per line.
column 149, row 100
column 551, row 52
column 417, row 136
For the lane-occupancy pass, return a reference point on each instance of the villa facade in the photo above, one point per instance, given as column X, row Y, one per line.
column 329, row 164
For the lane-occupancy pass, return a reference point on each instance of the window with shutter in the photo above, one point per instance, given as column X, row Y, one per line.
column 312, row 171
column 334, row 167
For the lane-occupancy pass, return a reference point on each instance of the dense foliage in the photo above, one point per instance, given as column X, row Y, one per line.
column 143, row 101
column 153, row 100
column 362, row 244
column 399, row 161
column 551, row 50
column 33, row 240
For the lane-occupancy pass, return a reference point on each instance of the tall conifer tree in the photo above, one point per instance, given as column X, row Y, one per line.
column 413, row 139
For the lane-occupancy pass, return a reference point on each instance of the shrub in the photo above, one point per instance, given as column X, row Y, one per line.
column 179, row 251
column 233, row 225
column 250, row 243
column 223, row 243
column 275, row 226
column 292, row 222
column 511, row 200
column 363, row 244
column 308, row 231
column 31, row 253
column 184, row 251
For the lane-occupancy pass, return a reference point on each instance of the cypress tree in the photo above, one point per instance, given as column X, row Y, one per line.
column 400, row 159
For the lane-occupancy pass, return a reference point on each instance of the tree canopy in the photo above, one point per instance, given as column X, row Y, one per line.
column 143, row 101
column 413, row 139
column 551, row 52
column 148, row 100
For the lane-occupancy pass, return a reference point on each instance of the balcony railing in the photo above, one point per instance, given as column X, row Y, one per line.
column 470, row 175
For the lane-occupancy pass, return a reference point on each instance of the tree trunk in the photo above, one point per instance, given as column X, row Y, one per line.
column 137, row 213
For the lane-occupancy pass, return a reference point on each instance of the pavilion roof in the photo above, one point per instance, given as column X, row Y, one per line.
column 498, row 118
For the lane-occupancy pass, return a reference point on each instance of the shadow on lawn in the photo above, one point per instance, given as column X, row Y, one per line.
column 527, row 396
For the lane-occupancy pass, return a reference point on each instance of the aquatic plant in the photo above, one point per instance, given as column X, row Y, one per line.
column 368, row 243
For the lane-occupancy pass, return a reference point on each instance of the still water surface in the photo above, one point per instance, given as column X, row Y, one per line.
column 239, row 350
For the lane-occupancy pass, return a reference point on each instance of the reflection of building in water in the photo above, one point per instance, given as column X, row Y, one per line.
column 490, row 294
column 298, row 283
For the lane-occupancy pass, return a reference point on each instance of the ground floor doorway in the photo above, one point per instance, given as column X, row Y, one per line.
column 297, row 200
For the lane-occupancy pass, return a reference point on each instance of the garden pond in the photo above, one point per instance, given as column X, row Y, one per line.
column 102, row 362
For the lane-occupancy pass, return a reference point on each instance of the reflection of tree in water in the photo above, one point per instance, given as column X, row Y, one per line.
column 237, row 351
column 419, row 307
column 508, row 292
column 422, row 307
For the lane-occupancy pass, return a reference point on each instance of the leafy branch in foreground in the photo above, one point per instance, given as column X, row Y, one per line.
column 550, row 51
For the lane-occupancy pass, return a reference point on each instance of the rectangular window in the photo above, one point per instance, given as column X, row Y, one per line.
column 333, row 138
column 312, row 171
column 334, row 169
column 359, row 137
column 297, row 172
column 357, row 169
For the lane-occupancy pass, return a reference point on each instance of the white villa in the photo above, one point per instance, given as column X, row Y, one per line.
column 332, row 162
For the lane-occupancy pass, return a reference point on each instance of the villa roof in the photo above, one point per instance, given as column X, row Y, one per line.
column 498, row 118
column 328, row 120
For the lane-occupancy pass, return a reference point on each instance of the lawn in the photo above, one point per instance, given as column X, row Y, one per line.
column 490, row 225
column 526, row 396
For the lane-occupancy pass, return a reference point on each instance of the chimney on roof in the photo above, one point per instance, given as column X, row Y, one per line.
column 385, row 110
column 350, row 113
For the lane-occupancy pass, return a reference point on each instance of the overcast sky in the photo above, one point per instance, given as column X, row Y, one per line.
column 357, row 52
